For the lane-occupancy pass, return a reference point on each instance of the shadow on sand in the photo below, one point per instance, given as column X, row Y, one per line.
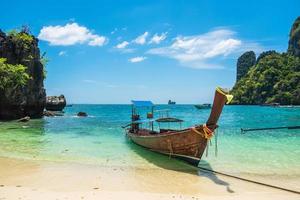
column 166, row 162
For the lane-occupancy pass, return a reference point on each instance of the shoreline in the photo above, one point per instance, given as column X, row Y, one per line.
column 28, row 179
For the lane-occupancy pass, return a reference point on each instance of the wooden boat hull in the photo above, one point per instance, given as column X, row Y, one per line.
column 186, row 144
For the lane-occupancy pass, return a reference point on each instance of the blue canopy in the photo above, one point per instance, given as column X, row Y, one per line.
column 142, row 103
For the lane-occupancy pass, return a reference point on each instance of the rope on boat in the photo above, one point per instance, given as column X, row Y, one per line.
column 270, row 128
column 249, row 180
column 196, row 131
column 208, row 134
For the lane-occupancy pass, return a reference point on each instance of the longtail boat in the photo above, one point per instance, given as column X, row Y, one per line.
column 187, row 144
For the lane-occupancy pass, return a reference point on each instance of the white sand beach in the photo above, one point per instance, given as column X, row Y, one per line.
column 24, row 179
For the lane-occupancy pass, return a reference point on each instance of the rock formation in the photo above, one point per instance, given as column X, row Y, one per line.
column 274, row 78
column 294, row 42
column 82, row 114
column 244, row 62
column 28, row 99
column 56, row 103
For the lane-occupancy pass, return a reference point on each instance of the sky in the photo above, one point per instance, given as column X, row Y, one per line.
column 110, row 52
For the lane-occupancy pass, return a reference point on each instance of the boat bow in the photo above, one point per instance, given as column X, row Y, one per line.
column 221, row 98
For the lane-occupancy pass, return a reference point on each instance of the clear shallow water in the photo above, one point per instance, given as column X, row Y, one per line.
column 99, row 139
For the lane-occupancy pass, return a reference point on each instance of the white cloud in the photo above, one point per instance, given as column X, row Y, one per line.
column 137, row 59
column 141, row 39
column 70, row 34
column 97, row 40
column 122, row 45
column 204, row 50
column 156, row 39
column 62, row 53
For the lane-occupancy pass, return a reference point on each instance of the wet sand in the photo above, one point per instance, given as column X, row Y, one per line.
column 26, row 179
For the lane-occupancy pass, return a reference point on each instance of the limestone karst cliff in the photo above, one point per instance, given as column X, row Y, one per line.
column 294, row 41
column 22, row 90
column 273, row 78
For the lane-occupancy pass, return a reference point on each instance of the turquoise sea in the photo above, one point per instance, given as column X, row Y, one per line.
column 99, row 139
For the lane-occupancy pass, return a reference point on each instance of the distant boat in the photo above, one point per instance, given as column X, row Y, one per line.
column 203, row 106
column 271, row 104
column 186, row 144
column 69, row 105
column 171, row 102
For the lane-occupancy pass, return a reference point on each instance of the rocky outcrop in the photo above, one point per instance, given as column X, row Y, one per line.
column 29, row 99
column 275, row 77
column 82, row 114
column 56, row 103
column 294, row 41
column 244, row 62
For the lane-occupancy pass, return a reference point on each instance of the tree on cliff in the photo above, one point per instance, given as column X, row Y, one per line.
column 244, row 62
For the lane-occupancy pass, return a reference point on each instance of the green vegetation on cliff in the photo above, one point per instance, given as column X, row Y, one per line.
column 274, row 78
column 12, row 75
column 15, row 75
column 21, row 39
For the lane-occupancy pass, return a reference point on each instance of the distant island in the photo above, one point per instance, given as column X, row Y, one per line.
column 271, row 78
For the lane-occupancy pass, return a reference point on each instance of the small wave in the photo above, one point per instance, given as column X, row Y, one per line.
column 89, row 116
